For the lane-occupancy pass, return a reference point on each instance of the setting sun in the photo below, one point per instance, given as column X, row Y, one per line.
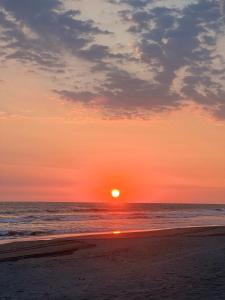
column 115, row 193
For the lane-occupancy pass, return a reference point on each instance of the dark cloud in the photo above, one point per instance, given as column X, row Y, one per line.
column 167, row 40
column 170, row 39
column 84, row 97
column 123, row 89
column 133, row 3
column 40, row 31
column 97, row 53
column 122, row 94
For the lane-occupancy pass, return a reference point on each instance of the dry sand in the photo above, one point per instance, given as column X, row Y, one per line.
column 170, row 264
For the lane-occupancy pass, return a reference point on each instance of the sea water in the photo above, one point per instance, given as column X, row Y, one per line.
column 29, row 219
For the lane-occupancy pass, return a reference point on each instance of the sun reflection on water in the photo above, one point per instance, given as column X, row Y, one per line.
column 116, row 232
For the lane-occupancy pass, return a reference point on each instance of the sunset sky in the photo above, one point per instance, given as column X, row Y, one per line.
column 102, row 94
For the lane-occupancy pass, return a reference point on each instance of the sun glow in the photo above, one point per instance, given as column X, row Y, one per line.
column 115, row 193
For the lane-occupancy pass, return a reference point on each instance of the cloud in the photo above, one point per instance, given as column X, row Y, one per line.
column 167, row 40
column 172, row 55
column 97, row 53
column 124, row 95
column 40, row 32
column 133, row 3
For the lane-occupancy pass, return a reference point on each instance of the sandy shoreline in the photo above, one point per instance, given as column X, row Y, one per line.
column 68, row 243
column 178, row 264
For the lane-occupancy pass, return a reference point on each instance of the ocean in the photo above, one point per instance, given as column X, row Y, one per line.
column 29, row 220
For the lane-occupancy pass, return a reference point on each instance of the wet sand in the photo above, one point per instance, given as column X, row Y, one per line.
column 168, row 264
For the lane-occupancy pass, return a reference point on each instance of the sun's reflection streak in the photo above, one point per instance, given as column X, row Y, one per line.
column 116, row 232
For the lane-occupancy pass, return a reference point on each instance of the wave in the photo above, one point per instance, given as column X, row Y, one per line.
column 25, row 233
column 34, row 209
column 15, row 233
column 16, row 220
column 111, row 215
column 19, row 220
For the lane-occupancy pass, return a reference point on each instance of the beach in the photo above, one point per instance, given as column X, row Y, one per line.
column 166, row 264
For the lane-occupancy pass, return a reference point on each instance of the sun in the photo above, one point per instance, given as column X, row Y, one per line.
column 115, row 193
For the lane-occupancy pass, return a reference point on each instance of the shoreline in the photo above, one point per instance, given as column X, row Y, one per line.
column 184, row 264
column 67, row 244
column 96, row 234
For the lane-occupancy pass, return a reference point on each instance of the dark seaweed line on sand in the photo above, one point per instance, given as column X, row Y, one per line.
column 45, row 245
column 52, row 254
column 46, row 254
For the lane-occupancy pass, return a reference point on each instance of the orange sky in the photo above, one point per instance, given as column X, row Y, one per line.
column 176, row 159
column 112, row 94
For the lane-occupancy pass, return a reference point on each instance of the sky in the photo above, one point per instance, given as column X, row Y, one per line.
column 104, row 94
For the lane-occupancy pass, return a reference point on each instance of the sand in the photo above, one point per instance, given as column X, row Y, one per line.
column 169, row 264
